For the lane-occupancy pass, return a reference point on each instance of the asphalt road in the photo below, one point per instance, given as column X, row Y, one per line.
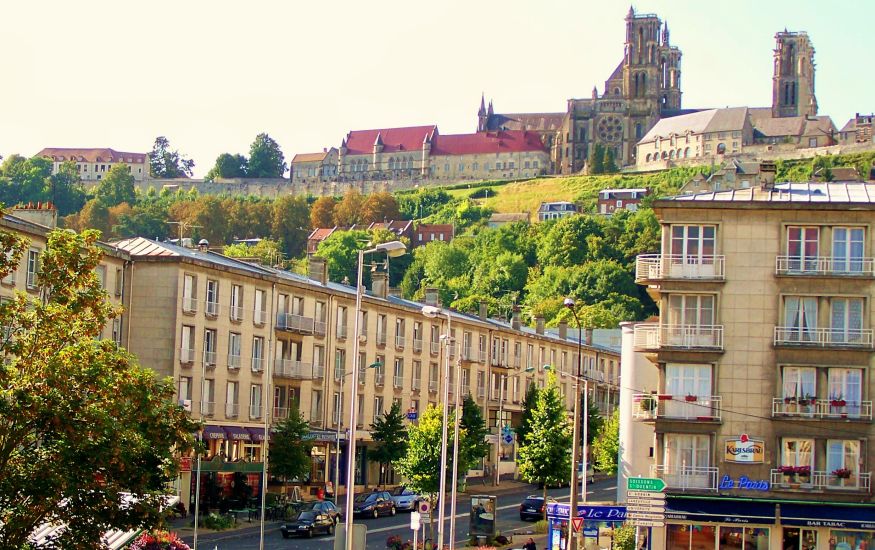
column 380, row 529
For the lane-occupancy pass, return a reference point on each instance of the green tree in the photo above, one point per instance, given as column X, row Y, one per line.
column 66, row 189
column 597, row 159
column 529, row 402
column 167, row 163
column 340, row 251
column 543, row 455
column 348, row 211
column 609, row 166
column 80, row 421
column 606, row 447
column 266, row 159
column 289, row 448
column 265, row 251
column 117, row 187
column 475, row 447
column 145, row 220
column 228, row 166
column 390, row 435
column 322, row 212
column 624, row 537
column 564, row 242
column 289, row 220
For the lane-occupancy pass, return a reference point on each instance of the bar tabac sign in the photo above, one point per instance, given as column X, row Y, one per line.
column 744, row 450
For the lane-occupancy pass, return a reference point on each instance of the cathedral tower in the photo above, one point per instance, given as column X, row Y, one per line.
column 793, row 82
column 641, row 61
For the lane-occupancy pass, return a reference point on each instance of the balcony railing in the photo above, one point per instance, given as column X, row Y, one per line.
column 468, row 354
column 315, row 416
column 236, row 313
column 254, row 411
column 481, row 356
column 341, row 331
column 398, row 381
column 415, row 384
column 295, row 323
column 517, row 361
column 257, row 364
column 233, row 361
column 210, row 358
column 280, row 413
column 432, row 386
column 703, row 408
column 655, row 267
column 259, row 317
column 381, row 338
column 481, row 392
column 319, row 328
column 318, row 371
column 823, row 337
column 186, row 355
column 208, row 408
column 212, row 308
column 684, row 477
column 232, row 410
column 400, row 342
column 824, row 266
column 653, row 336
column 820, row 480
column 289, row 368
column 821, row 409
column 189, row 305
column 464, row 389
column 435, row 348
column 417, row 345
column 339, row 372
column 378, row 378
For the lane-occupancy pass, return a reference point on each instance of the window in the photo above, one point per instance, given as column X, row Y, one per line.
column 9, row 279
column 186, row 352
column 800, row 319
column 435, row 339
column 378, row 407
column 381, row 329
column 318, row 356
column 257, row 353
column 398, row 380
column 690, row 537
column 259, row 309
column 320, row 318
column 417, row 374
column 232, row 402
column 797, row 452
column 189, row 293
column 210, row 345
column 691, row 310
column 117, row 331
column 692, row 245
column 212, row 306
column 432, row 377
column 208, row 399
column 236, row 303
column 255, row 401
column 315, row 405
column 341, row 321
column 399, row 333
column 100, row 271
column 185, row 387
column 846, row 321
column 802, row 248
column 337, row 409
column 340, row 364
column 417, row 336
column 119, row 282
column 799, row 383
column 847, row 249
column 380, row 370
column 842, row 455
column 233, row 350
column 530, row 352
column 682, row 380
column 32, row 268
column 363, row 368
column 845, row 385
column 687, row 460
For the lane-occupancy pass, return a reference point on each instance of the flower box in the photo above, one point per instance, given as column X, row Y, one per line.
column 838, row 402
column 842, row 473
column 691, row 398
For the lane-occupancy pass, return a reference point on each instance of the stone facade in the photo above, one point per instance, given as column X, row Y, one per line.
column 94, row 164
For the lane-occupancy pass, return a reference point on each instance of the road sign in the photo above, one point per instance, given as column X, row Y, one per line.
column 507, row 438
column 423, row 507
column 651, row 498
column 647, row 523
column 411, row 415
column 632, row 510
column 646, row 484
column 645, row 494
column 414, row 520
column 646, row 515
column 576, row 524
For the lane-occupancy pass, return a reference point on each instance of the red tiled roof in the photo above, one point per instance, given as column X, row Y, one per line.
column 504, row 141
column 361, row 142
column 321, row 233
column 91, row 155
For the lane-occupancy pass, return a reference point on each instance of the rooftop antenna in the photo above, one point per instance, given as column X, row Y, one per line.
column 183, row 226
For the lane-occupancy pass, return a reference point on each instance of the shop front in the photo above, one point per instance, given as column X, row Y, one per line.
column 596, row 525
column 706, row 523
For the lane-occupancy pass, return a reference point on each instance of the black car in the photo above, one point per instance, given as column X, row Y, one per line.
column 532, row 508
column 373, row 505
column 307, row 524
column 323, row 507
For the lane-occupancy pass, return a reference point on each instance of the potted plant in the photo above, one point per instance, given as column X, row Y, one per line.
column 789, row 400
column 648, row 404
column 394, row 542
column 806, row 400
column 787, row 471
column 842, row 473
column 804, row 473
column 690, row 398
column 159, row 540
column 837, row 402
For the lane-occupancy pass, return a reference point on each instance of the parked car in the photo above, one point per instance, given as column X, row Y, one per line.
column 323, row 507
column 404, row 498
column 374, row 504
column 532, row 508
column 307, row 524
column 590, row 472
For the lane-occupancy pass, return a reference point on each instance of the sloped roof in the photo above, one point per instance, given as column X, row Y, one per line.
column 146, row 248
column 321, row 233
column 309, row 157
column 504, row 141
column 535, row 122
column 396, row 226
column 834, row 192
column 678, row 125
column 91, row 155
column 411, row 138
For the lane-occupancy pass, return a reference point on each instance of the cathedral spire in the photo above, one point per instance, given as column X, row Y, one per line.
column 482, row 110
column 665, row 34
column 490, row 112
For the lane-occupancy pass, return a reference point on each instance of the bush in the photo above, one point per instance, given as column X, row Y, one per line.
column 218, row 522
column 482, row 193
column 540, row 527
column 624, row 537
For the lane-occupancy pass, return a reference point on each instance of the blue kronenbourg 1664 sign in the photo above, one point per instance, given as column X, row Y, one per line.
column 744, row 483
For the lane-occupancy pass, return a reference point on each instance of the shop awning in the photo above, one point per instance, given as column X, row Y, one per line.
column 720, row 510
column 861, row 516
column 257, row 434
column 237, row 433
column 213, row 432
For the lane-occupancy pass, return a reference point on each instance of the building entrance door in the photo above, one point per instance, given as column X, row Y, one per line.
column 799, row 539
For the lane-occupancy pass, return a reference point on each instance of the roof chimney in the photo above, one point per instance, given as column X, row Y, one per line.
column 42, row 213
column 318, row 269
column 432, row 297
column 539, row 324
column 203, row 245
column 563, row 330
column 380, row 284
column 484, row 311
column 767, row 174
column 515, row 318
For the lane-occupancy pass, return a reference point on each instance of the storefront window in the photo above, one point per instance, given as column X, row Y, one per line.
column 851, row 540
column 799, row 539
column 744, row 538
column 690, row 537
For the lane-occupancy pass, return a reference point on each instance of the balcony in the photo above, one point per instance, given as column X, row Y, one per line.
column 415, row 384
column 259, row 317
column 683, row 477
column 481, row 392
column 257, row 364
column 295, row 323
column 435, row 348
column 280, row 413
column 210, row 358
column 824, row 266
column 381, row 338
column 254, row 412
column 481, row 356
column 378, row 378
column 289, row 368
column 660, row 267
column 821, row 409
column 208, row 408
column 189, row 304
column 653, row 336
column 319, row 328
column 805, row 479
column 318, row 371
column 212, row 309
column 186, row 356
column 233, row 361
column 823, row 337
column 700, row 408
column 398, row 382
column 417, row 345
column 232, row 410
column 339, row 372
column 400, row 342
column 432, row 386
column 236, row 313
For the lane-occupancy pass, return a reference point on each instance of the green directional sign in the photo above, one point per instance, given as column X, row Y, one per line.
column 647, row 484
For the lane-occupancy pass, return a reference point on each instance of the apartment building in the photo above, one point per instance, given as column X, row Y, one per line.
column 94, row 163
column 247, row 343
column 755, row 387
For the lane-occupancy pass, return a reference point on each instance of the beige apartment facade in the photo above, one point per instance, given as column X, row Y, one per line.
column 245, row 344
column 759, row 401
column 94, row 164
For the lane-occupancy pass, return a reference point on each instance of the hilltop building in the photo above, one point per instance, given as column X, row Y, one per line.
column 93, row 164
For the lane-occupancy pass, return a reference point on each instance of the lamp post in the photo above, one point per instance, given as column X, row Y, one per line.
column 432, row 312
column 569, row 303
column 392, row 249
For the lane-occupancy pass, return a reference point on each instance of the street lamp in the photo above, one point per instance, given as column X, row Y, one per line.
column 575, row 438
column 433, row 312
column 393, row 249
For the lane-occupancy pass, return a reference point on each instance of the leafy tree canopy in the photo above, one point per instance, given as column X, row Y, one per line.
column 267, row 252
column 322, row 212
column 266, row 159
column 228, row 166
column 606, row 447
column 167, row 163
column 117, row 187
column 390, row 435
column 289, row 450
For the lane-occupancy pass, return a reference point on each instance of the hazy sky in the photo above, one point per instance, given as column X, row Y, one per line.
column 211, row 75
